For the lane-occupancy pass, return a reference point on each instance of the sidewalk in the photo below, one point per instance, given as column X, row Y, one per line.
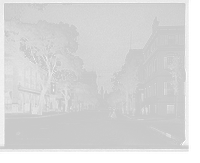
column 138, row 116
column 169, row 127
column 29, row 115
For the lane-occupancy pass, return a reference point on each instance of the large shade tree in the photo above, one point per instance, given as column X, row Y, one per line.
column 126, row 81
column 44, row 45
column 66, row 80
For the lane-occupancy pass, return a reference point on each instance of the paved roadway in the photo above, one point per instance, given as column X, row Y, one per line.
column 83, row 130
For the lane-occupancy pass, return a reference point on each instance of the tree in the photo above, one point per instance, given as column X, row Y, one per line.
column 44, row 44
column 67, row 79
column 116, row 97
column 131, row 71
column 176, row 71
column 13, row 36
column 127, row 81
column 86, row 93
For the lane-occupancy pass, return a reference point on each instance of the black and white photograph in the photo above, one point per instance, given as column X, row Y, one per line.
column 95, row 76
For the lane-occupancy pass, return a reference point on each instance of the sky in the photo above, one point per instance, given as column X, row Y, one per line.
column 105, row 30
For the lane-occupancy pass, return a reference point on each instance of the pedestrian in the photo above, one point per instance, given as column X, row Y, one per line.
column 142, row 110
column 146, row 110
column 110, row 112
column 113, row 115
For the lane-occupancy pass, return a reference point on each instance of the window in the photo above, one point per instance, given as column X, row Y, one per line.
column 168, row 88
column 155, row 65
column 149, row 70
column 171, row 39
column 168, row 61
column 149, row 91
column 155, row 89
column 145, row 72
column 170, row 109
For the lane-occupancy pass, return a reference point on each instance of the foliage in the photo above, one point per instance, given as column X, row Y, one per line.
column 115, row 97
column 126, row 80
column 176, row 72
column 44, row 44
column 86, row 93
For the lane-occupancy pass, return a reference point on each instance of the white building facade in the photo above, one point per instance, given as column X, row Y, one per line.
column 162, row 45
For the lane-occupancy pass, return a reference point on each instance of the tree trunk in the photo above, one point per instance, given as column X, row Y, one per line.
column 127, row 102
column 41, row 102
column 122, row 108
column 133, row 106
column 66, row 105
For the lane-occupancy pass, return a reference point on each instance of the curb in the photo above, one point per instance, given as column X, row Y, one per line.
column 149, row 119
column 39, row 116
column 166, row 134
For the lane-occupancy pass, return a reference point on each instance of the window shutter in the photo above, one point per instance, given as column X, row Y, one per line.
column 165, row 62
column 176, row 39
column 165, row 88
column 166, row 39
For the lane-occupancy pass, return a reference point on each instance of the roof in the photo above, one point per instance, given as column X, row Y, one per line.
column 163, row 29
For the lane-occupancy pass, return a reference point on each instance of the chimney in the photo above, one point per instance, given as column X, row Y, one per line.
column 155, row 24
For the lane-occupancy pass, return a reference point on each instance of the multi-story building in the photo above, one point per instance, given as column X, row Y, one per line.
column 162, row 74
column 89, row 77
column 22, row 86
column 136, row 57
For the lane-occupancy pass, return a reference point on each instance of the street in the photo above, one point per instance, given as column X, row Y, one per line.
column 83, row 130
